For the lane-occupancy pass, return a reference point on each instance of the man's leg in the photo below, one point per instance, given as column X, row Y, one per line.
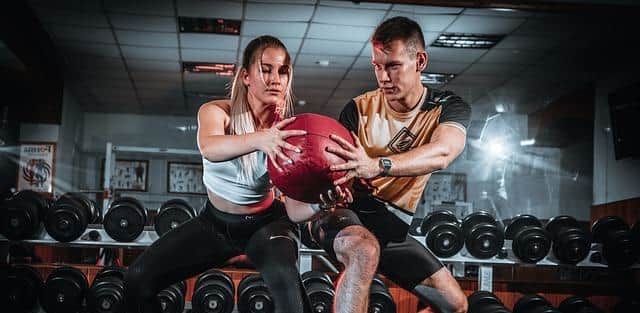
column 345, row 239
column 415, row 268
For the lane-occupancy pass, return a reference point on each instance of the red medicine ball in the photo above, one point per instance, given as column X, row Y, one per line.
column 309, row 175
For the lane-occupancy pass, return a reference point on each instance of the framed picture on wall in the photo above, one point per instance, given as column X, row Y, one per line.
column 37, row 166
column 130, row 175
column 185, row 178
column 443, row 186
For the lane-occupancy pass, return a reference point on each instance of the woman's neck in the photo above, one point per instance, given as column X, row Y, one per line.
column 264, row 114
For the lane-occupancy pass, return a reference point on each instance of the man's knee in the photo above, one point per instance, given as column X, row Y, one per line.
column 356, row 245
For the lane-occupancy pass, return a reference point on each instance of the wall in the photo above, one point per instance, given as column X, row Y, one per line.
column 614, row 180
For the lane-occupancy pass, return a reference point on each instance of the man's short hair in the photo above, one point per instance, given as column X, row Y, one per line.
column 402, row 28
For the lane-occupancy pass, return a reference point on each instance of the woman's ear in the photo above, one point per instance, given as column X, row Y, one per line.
column 245, row 76
column 421, row 60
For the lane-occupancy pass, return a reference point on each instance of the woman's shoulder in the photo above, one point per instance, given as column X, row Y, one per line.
column 219, row 106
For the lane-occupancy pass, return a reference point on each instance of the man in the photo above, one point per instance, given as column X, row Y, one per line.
column 403, row 133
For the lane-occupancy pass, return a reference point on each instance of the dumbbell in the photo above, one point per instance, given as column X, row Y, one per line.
column 320, row 291
column 485, row 302
column 530, row 242
column 616, row 239
column 171, row 214
column 69, row 216
column 64, row 291
column 106, row 294
column 570, row 243
column 443, row 233
column 576, row 304
column 483, row 238
column 23, row 284
column 172, row 298
column 125, row 219
column 254, row 295
column 380, row 300
column 534, row 304
column 21, row 215
column 213, row 293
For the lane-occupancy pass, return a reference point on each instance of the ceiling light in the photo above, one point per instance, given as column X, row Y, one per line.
column 301, row 103
column 436, row 78
column 461, row 40
column 323, row 62
column 500, row 108
column 220, row 69
column 528, row 142
column 209, row 25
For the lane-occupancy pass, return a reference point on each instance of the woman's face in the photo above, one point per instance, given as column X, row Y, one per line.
column 267, row 80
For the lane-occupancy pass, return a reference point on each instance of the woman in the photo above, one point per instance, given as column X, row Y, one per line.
column 242, row 215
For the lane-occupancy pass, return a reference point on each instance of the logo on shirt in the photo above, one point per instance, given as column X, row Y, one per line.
column 402, row 142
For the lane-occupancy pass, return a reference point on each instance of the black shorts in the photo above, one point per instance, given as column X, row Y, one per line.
column 403, row 259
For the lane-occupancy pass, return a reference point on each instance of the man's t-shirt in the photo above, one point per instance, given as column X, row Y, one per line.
column 383, row 132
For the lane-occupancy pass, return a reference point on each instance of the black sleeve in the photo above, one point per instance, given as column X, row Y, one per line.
column 454, row 109
column 349, row 116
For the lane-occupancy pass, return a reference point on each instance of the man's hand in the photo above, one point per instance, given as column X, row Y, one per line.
column 334, row 198
column 358, row 165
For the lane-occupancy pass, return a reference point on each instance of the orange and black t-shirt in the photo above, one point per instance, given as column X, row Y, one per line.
column 384, row 131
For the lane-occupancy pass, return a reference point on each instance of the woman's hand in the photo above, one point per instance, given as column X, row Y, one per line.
column 272, row 141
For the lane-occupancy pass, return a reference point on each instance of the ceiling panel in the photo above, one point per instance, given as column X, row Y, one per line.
column 106, row 92
column 347, row 16
column 209, row 55
column 306, row 82
column 142, row 7
column 209, row 41
column 484, row 25
column 309, row 60
column 365, row 75
column 153, row 39
column 446, row 67
column 88, row 48
column 102, row 74
column 363, row 63
column 71, row 17
column 545, row 42
column 168, row 77
column 319, row 72
column 358, row 84
column 106, row 83
column 425, row 9
column 258, row 28
column 494, row 69
column 339, row 32
column 433, row 23
column 292, row 44
column 205, row 82
column 331, row 47
column 77, row 5
column 153, row 65
column 94, row 62
column 355, row 4
column 278, row 12
column 158, row 85
column 557, row 26
column 133, row 52
column 86, row 34
column 510, row 56
column 163, row 94
column 498, row 12
column 213, row 9
column 437, row 54
column 148, row 23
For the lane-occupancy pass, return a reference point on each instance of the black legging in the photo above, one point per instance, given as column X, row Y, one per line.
column 269, row 240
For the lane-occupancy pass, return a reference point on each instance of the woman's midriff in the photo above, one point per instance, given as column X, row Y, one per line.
column 233, row 208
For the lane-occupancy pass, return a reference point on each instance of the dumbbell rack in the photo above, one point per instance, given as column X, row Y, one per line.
column 485, row 266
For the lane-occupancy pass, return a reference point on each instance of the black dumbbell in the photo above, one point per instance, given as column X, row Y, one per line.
column 64, row 291
column 106, row 294
column 570, row 243
column 213, row 293
column 68, row 217
column 171, row 214
column 380, row 300
column 23, row 285
column 443, row 233
column 576, row 304
column 534, row 304
column 254, row 295
column 530, row 242
column 125, row 219
column 172, row 298
column 21, row 215
column 483, row 238
column 485, row 302
column 320, row 291
column 616, row 239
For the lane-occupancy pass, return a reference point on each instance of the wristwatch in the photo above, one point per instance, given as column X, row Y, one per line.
column 385, row 164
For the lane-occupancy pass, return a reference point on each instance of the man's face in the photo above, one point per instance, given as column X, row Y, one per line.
column 397, row 72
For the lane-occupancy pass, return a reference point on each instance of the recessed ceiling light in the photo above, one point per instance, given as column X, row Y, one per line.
column 466, row 41
column 209, row 25
column 323, row 62
column 436, row 78
column 220, row 69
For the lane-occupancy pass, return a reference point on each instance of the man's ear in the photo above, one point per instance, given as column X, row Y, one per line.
column 421, row 60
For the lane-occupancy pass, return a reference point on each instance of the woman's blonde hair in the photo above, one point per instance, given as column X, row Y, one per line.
column 242, row 121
